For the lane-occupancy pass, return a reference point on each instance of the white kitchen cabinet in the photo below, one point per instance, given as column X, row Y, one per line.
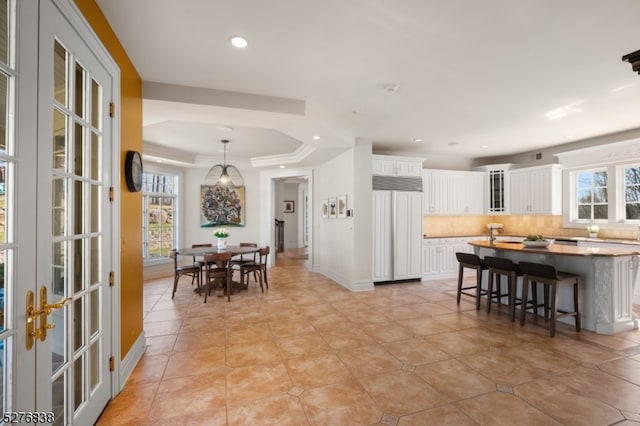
column 536, row 190
column 397, row 235
column 451, row 192
column 439, row 256
column 496, row 188
column 391, row 165
column 436, row 187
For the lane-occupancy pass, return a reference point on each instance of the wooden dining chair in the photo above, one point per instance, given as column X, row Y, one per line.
column 200, row 262
column 218, row 270
column 192, row 271
column 264, row 254
column 245, row 257
column 255, row 267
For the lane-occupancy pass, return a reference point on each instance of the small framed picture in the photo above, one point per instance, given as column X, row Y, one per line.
column 289, row 206
column 342, row 207
column 333, row 211
column 325, row 208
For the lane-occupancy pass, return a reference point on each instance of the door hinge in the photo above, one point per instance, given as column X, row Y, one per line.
column 112, row 279
column 112, row 363
column 112, row 109
column 111, row 193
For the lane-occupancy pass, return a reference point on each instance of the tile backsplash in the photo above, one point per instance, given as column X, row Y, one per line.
column 443, row 226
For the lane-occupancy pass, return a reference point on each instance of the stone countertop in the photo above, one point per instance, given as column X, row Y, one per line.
column 556, row 249
column 518, row 238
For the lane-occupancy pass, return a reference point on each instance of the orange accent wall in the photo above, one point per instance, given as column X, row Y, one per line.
column 130, row 114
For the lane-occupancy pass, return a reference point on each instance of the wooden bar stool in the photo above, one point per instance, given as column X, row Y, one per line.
column 553, row 280
column 499, row 267
column 471, row 261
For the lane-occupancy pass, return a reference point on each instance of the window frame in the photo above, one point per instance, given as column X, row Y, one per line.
column 615, row 193
column 177, row 195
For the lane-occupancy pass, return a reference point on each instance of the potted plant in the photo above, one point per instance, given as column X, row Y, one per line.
column 593, row 231
column 221, row 234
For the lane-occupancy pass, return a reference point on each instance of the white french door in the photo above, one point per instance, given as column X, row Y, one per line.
column 56, row 253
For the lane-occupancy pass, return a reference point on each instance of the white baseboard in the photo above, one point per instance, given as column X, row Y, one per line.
column 129, row 362
column 359, row 285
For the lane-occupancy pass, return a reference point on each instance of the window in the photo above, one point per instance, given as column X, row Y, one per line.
column 159, row 201
column 632, row 193
column 592, row 200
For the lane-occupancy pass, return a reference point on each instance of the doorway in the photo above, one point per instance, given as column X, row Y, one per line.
column 276, row 200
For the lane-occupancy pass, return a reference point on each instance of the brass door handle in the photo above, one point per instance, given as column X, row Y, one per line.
column 34, row 332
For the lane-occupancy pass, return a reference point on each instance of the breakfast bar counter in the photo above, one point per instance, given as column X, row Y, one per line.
column 608, row 277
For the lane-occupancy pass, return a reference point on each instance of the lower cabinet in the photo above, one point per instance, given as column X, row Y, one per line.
column 439, row 256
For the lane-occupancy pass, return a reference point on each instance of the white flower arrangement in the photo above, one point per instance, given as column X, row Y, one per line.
column 221, row 233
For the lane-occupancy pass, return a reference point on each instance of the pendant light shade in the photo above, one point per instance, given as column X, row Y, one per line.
column 224, row 174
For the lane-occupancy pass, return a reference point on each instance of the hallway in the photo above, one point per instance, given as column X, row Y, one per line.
column 308, row 351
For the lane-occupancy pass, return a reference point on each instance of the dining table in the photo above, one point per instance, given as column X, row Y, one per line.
column 199, row 252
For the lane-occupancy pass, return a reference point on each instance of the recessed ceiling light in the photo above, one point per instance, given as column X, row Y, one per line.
column 392, row 87
column 239, row 42
column 282, row 167
column 316, row 137
column 225, row 128
column 485, row 146
column 417, row 140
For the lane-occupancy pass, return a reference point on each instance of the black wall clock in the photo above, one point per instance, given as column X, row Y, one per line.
column 133, row 171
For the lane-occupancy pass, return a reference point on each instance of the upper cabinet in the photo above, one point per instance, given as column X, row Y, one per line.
column 391, row 165
column 453, row 192
column 497, row 188
column 536, row 190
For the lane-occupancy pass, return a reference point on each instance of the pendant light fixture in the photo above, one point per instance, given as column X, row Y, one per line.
column 224, row 174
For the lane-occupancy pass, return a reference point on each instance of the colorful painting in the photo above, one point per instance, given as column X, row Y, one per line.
column 220, row 205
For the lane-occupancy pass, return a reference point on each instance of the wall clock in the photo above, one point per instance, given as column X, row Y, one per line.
column 133, row 171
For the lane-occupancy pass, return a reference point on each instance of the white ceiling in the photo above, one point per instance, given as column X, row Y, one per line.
column 474, row 78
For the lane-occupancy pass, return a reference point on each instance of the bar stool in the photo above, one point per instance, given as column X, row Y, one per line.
column 553, row 280
column 498, row 267
column 471, row 261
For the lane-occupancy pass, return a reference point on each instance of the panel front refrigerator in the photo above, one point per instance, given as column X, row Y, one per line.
column 397, row 235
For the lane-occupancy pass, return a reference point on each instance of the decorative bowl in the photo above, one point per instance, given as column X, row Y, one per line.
column 538, row 243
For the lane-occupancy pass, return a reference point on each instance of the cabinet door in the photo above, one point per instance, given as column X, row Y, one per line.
column 383, row 167
column 520, row 192
column 408, row 168
column 382, row 233
column 540, row 191
column 436, row 192
column 497, row 191
column 469, row 187
column 407, row 235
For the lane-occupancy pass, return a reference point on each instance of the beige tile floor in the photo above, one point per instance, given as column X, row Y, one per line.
column 309, row 352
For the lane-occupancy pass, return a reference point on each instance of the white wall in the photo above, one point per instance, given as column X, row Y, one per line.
column 193, row 233
column 342, row 247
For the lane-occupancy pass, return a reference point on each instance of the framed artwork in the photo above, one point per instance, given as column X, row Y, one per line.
column 325, row 208
column 220, row 205
column 342, row 206
column 333, row 212
column 289, row 206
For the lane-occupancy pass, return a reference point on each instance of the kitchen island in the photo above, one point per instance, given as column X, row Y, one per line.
column 607, row 285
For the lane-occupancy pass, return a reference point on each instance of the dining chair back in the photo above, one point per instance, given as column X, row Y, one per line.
column 218, row 272
column 192, row 271
column 264, row 254
column 201, row 261
column 255, row 267
column 245, row 257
